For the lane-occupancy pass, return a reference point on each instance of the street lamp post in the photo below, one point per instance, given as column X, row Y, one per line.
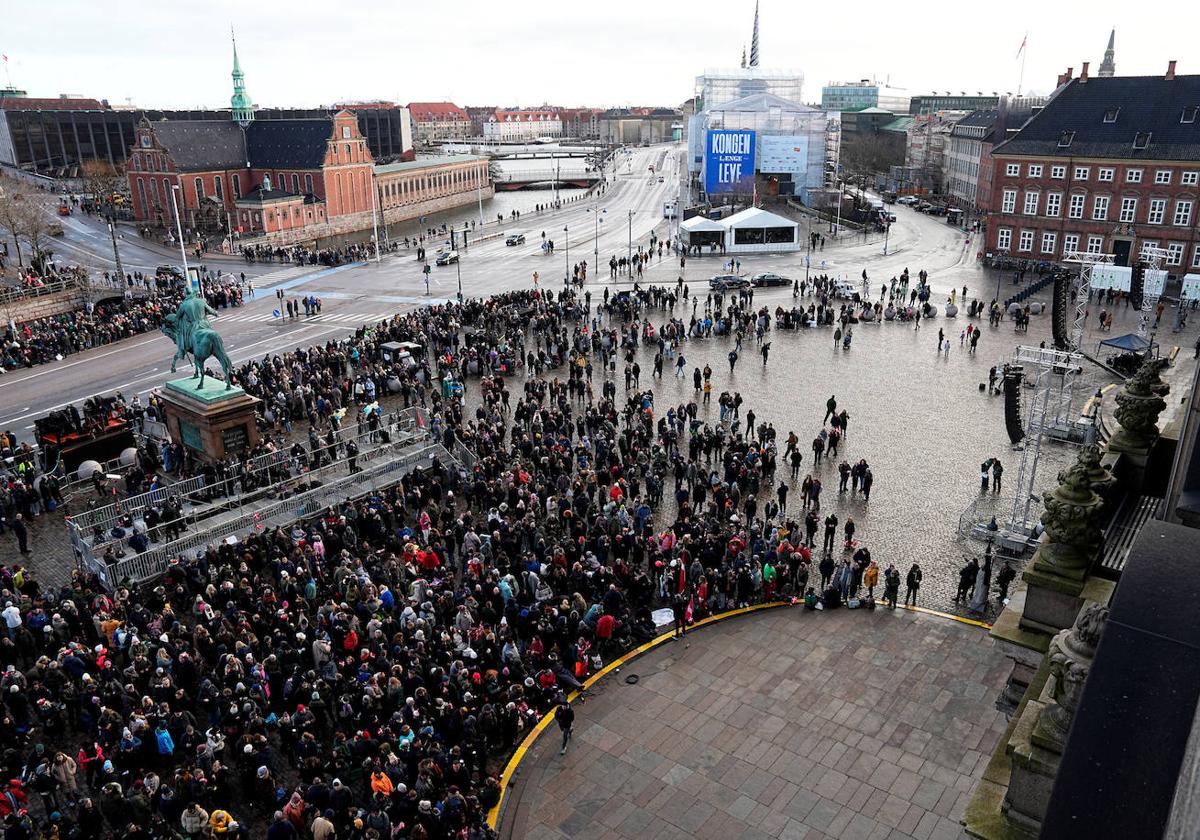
column 630, row 261
column 458, row 268
column 179, row 233
column 567, row 251
column 598, row 218
column 112, row 232
column 886, row 230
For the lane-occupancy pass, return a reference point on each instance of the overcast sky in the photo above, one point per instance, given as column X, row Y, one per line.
column 616, row 52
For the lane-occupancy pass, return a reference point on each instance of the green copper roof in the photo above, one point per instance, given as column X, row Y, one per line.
column 243, row 106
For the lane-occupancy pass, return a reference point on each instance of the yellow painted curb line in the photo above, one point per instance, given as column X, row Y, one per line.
column 513, row 763
column 951, row 616
column 527, row 742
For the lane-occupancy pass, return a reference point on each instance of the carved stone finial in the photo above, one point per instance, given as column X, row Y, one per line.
column 1099, row 476
column 1072, row 530
column 1138, row 405
column 1070, row 655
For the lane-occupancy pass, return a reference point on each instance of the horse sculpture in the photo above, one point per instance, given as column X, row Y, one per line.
column 205, row 343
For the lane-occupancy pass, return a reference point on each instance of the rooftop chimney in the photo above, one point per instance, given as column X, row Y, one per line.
column 1170, row 70
column 1083, row 73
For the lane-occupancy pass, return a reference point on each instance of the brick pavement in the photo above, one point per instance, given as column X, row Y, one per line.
column 783, row 724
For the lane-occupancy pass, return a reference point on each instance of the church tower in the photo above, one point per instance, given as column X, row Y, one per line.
column 243, row 107
column 1107, row 67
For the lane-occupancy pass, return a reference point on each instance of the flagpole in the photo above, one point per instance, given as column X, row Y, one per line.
column 1024, row 52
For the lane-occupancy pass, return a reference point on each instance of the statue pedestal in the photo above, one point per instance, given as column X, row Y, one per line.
column 212, row 422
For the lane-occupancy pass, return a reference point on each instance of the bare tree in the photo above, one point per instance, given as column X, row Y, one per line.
column 104, row 181
column 37, row 228
column 14, row 214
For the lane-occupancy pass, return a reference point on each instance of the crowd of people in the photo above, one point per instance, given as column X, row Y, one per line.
column 48, row 339
column 365, row 672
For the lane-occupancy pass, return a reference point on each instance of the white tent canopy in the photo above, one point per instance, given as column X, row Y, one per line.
column 754, row 229
column 701, row 223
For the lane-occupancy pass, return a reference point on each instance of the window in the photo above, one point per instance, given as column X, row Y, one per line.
column 1188, row 115
column 1110, row 116
column 1189, row 179
column 1075, row 208
column 219, row 187
column 1031, row 202
column 1162, row 176
column 1095, row 244
column 1148, row 246
column 1158, row 209
column 1012, row 169
column 199, row 189
column 1064, row 139
column 1100, row 208
column 1058, row 172
column 1128, row 209
column 1070, row 243
column 237, row 186
column 1196, row 257
column 1183, row 213
column 1081, row 173
column 1141, row 140
column 1049, row 241
column 308, row 184
column 1026, row 241
column 1009, row 203
column 1174, row 253
column 1035, row 170
column 295, row 183
column 1053, row 204
column 1105, row 173
column 1003, row 238
column 1133, row 176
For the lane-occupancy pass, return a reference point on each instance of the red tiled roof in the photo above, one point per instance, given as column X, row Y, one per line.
column 25, row 103
column 436, row 111
column 525, row 115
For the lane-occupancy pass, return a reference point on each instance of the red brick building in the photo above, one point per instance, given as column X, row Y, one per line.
column 1109, row 165
column 262, row 177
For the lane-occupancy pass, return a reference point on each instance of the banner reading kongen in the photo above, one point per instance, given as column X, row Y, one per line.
column 729, row 162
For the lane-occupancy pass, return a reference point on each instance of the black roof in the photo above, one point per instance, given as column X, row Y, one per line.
column 1151, row 106
column 202, row 145
column 288, row 144
column 259, row 195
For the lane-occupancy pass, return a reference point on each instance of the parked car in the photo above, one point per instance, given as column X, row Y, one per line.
column 447, row 257
column 770, row 279
column 515, row 239
column 64, row 209
column 843, row 290
column 723, row 282
column 907, row 199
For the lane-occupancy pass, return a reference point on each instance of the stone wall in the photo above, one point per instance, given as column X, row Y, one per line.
column 407, row 212
column 30, row 309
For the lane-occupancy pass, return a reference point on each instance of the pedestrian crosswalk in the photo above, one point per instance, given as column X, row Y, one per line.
column 323, row 318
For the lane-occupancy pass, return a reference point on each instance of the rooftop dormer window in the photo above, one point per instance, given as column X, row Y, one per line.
column 1064, row 139
column 1189, row 115
column 1110, row 116
column 1141, row 140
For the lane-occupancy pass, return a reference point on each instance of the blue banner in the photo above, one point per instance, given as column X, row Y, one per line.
column 729, row 162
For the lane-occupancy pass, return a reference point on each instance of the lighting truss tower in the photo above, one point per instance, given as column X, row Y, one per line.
column 1151, row 292
column 1054, row 382
column 1083, row 290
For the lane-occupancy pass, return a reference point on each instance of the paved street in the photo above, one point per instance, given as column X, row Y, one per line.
column 917, row 417
column 782, row 724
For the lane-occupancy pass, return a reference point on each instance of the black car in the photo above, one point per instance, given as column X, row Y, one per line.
column 770, row 279
column 728, row 281
column 515, row 239
column 447, row 257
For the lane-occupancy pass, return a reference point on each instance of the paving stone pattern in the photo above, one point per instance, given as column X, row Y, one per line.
column 781, row 724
